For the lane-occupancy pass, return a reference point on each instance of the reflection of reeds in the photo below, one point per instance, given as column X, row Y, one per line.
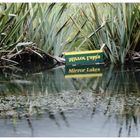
column 112, row 94
column 128, row 120
column 124, row 86
column 119, row 91
column 28, row 118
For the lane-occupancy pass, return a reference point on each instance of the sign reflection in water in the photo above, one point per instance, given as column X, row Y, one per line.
column 83, row 71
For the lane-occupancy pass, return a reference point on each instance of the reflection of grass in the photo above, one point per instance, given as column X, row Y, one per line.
column 129, row 120
column 116, row 93
column 23, row 94
column 122, row 87
column 119, row 94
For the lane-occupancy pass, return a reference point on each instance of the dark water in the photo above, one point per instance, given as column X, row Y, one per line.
column 80, row 101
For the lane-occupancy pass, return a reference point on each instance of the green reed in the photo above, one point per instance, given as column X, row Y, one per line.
column 59, row 27
column 114, row 26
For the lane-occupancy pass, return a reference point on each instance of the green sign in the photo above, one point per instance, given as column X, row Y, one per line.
column 79, row 71
column 84, row 57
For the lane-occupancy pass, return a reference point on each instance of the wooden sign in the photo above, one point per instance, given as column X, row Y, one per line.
column 80, row 71
column 84, row 57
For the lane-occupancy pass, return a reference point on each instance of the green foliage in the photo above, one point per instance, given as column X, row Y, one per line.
column 47, row 25
column 68, row 27
column 120, row 33
column 13, row 21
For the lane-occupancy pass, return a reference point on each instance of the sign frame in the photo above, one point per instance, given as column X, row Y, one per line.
column 84, row 57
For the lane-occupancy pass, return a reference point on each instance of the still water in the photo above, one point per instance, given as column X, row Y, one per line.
column 73, row 101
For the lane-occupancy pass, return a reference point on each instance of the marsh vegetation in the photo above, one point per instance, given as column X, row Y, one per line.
column 54, row 28
column 33, row 37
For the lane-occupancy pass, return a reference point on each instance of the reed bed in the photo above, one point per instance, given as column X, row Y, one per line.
column 113, row 28
column 59, row 27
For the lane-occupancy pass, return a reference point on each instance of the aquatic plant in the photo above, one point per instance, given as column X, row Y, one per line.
column 119, row 29
column 58, row 27
column 28, row 29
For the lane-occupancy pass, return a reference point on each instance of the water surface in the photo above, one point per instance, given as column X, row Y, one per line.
column 105, row 102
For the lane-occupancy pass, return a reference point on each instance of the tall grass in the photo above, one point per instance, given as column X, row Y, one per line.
column 12, row 24
column 119, row 29
column 47, row 25
column 68, row 27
